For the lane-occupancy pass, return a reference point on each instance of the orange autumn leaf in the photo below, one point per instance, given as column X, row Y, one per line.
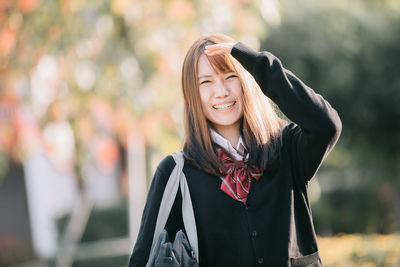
column 107, row 154
column 27, row 6
column 7, row 40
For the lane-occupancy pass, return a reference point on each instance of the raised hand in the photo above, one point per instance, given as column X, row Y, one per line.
column 222, row 48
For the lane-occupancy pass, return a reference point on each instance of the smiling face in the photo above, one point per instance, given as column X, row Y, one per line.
column 221, row 96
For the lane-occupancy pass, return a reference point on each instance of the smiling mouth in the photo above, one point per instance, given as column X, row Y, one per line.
column 224, row 106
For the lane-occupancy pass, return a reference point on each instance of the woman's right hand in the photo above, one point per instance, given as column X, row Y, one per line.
column 221, row 48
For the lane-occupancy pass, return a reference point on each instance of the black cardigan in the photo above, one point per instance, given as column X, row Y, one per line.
column 274, row 227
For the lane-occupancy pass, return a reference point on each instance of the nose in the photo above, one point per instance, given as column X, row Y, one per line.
column 221, row 90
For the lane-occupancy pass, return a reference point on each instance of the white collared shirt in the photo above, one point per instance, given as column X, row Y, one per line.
column 224, row 143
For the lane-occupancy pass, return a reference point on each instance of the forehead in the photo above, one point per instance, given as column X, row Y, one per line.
column 204, row 66
column 214, row 64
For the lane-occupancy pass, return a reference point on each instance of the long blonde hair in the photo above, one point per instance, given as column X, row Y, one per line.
column 261, row 126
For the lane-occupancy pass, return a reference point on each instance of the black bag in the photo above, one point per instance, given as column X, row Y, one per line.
column 184, row 251
column 167, row 254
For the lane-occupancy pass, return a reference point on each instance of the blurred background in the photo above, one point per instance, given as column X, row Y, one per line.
column 90, row 102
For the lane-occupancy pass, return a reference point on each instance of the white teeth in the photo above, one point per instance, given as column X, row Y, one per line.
column 224, row 106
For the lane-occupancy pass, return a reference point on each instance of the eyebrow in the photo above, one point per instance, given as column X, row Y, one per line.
column 210, row 75
column 205, row 76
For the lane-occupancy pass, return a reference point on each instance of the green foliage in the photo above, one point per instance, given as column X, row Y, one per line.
column 351, row 58
column 349, row 53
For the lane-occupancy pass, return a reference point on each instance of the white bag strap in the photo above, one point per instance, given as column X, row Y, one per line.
column 176, row 179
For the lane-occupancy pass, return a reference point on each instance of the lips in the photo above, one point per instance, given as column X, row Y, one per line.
column 224, row 105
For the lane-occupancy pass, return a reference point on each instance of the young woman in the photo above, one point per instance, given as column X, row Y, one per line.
column 246, row 168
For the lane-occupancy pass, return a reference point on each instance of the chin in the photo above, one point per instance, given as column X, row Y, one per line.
column 226, row 122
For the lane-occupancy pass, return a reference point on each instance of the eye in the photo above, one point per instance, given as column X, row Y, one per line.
column 231, row 76
column 205, row 82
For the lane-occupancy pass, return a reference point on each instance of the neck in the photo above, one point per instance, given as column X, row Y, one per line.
column 230, row 133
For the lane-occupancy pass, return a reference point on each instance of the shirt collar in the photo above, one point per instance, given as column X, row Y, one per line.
column 239, row 153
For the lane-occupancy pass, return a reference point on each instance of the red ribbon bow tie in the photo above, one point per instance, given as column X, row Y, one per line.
column 237, row 181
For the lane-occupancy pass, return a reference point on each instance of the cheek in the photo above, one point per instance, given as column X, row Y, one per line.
column 240, row 97
column 204, row 97
column 236, row 88
column 239, row 93
column 204, row 102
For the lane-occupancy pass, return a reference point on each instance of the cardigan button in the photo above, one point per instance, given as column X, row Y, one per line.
column 260, row 260
column 254, row 233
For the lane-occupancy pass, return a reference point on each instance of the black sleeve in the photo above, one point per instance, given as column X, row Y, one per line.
column 141, row 250
column 316, row 126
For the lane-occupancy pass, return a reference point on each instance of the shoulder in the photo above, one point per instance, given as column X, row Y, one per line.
column 290, row 131
column 166, row 165
column 289, row 128
column 162, row 173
